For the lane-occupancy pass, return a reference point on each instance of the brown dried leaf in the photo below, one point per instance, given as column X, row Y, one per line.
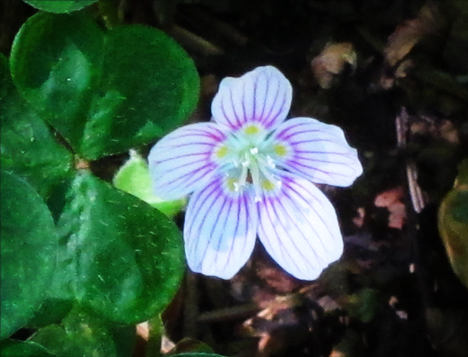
column 392, row 200
column 397, row 216
column 389, row 197
column 361, row 215
column 332, row 61
column 328, row 304
column 278, row 326
column 278, row 304
column 276, row 277
column 403, row 68
column 410, row 32
column 449, row 132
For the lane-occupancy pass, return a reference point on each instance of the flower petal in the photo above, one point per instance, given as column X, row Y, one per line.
column 316, row 151
column 220, row 229
column 262, row 95
column 182, row 161
column 299, row 228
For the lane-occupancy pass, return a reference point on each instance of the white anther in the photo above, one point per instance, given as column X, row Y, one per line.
column 254, row 151
column 271, row 162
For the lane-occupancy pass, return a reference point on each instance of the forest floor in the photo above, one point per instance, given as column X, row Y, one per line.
column 393, row 74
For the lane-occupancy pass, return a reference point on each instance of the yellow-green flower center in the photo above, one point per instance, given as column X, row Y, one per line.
column 247, row 159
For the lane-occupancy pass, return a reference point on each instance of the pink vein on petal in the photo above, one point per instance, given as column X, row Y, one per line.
column 194, row 176
column 292, row 219
column 239, row 208
column 208, row 195
column 318, row 215
column 278, row 239
column 296, row 163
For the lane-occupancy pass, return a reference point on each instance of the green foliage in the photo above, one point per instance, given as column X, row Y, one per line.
column 127, row 258
column 28, row 251
column 103, row 92
column 83, row 261
column 28, row 147
column 350, row 345
column 83, row 334
column 134, row 177
column 363, row 304
column 453, row 224
column 12, row 348
column 62, row 6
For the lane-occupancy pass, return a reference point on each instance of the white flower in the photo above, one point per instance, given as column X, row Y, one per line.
column 251, row 174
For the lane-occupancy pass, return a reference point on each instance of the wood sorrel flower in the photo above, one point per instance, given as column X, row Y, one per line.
column 251, row 174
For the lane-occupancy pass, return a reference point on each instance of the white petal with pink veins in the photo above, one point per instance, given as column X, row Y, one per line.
column 220, row 229
column 299, row 228
column 182, row 161
column 318, row 152
column 262, row 95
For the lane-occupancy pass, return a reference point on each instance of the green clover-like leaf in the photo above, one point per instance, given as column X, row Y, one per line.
column 28, row 252
column 118, row 255
column 105, row 92
column 28, row 147
column 60, row 6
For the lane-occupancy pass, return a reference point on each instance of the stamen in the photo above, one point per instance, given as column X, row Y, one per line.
column 243, row 176
column 246, row 162
column 270, row 162
column 269, row 177
column 255, row 173
column 252, row 164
